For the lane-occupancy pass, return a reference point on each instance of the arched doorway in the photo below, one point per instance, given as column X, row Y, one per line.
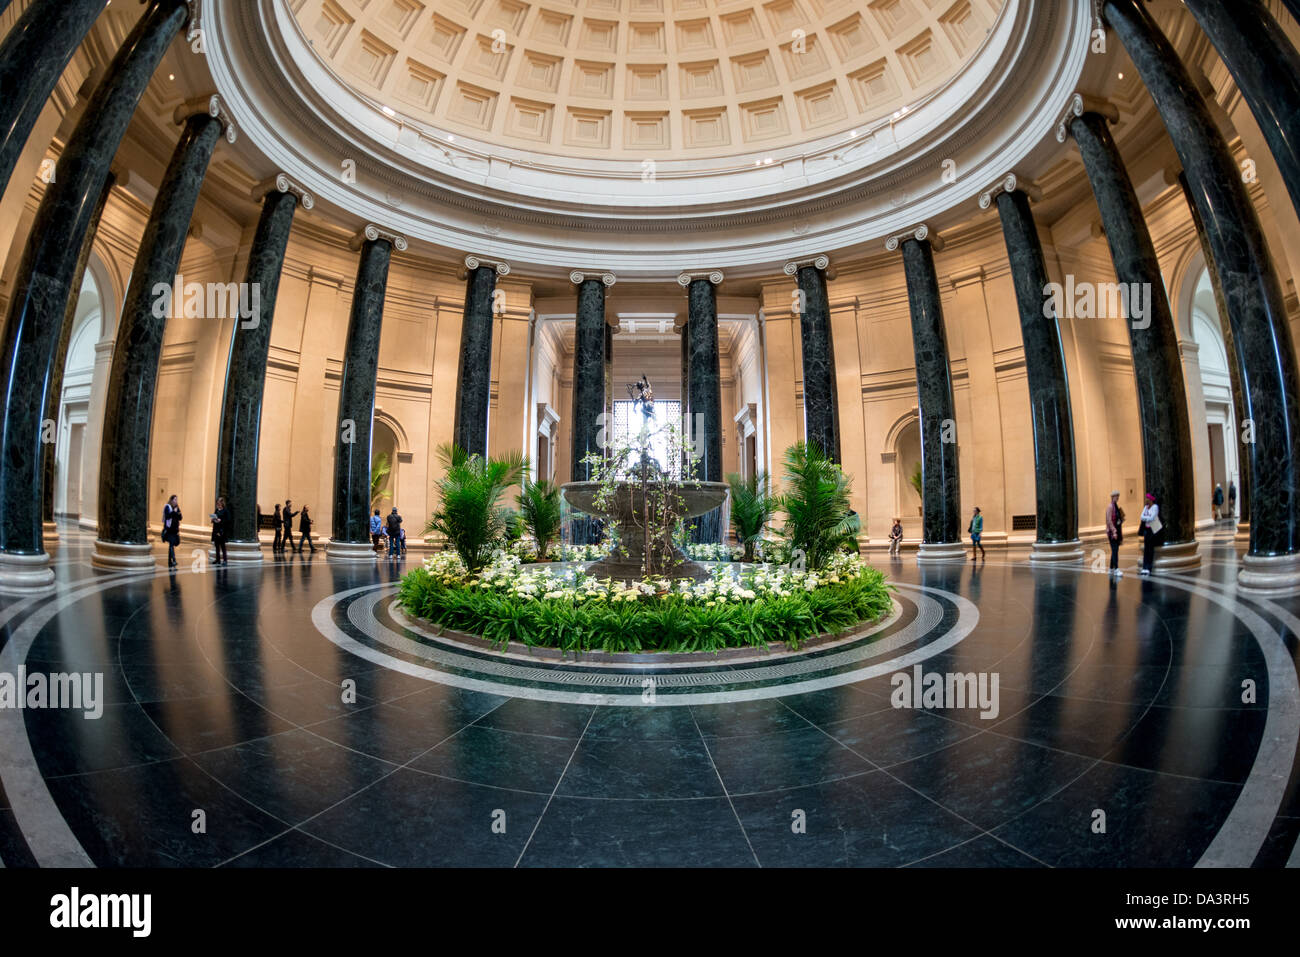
column 383, row 466
column 1215, row 391
column 907, row 463
column 72, row 471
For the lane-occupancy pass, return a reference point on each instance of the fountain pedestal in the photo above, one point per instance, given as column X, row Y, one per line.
column 625, row 511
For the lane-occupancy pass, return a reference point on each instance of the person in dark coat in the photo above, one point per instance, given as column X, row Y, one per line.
column 1232, row 499
column 304, row 530
column 287, row 515
column 278, row 522
column 171, row 530
column 394, row 526
column 220, row 532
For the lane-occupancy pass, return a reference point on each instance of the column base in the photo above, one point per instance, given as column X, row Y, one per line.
column 1270, row 574
column 1056, row 553
column 1243, row 534
column 1177, row 555
column 242, row 553
column 936, row 552
column 25, row 574
column 350, row 551
column 49, row 532
column 119, row 556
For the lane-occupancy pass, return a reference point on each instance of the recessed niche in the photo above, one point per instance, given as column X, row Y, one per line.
column 809, row 62
column 443, row 38
column 645, row 131
column 647, row 81
column 694, row 35
column 372, row 58
column 552, row 27
column 530, row 119
column 785, row 17
column 489, row 57
column 851, row 38
column 963, row 26
column 330, row 29
column 894, row 16
column 645, row 38
column 399, row 15
column 754, row 72
column 820, row 105
column 473, row 106
column 540, row 71
column 421, row 85
column 740, row 27
column 587, row 128
column 921, row 58
column 705, row 129
column 592, row 79
column 873, row 86
column 600, row 36
column 509, row 15
column 700, row 79
column 764, row 119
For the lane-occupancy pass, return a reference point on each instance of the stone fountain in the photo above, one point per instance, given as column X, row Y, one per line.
column 696, row 498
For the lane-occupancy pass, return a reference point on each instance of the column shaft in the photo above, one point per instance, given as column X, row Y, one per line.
column 132, row 383
column 1264, row 353
column 54, row 400
column 1266, row 68
column 250, row 345
column 32, row 56
column 941, row 496
column 1049, row 390
column 1157, row 366
column 474, row 388
column 588, row 376
column 43, row 282
column 821, row 413
column 357, row 396
column 706, row 395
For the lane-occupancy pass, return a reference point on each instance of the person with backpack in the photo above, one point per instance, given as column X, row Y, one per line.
column 304, row 531
column 976, row 529
column 171, row 529
column 1115, row 532
column 393, row 529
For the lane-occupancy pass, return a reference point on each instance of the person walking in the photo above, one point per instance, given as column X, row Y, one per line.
column 896, row 537
column 1216, row 501
column 287, row 515
column 278, row 522
column 1232, row 499
column 376, row 529
column 394, row 525
column 304, row 531
column 220, row 532
column 976, row 529
column 1150, row 532
column 171, row 529
column 1115, row 533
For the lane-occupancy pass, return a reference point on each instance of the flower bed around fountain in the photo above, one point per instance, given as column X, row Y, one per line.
column 752, row 606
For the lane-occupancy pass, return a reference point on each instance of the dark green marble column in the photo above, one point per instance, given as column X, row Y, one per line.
column 1167, row 459
column 350, row 535
column 474, row 387
column 123, row 539
column 43, row 283
column 32, row 56
column 705, row 388
column 941, row 488
column 821, row 409
column 588, row 388
column 1265, row 355
column 1230, row 350
column 1266, row 68
column 54, row 400
column 250, row 344
column 1049, row 391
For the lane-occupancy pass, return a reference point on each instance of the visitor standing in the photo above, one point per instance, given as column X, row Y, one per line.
column 896, row 537
column 304, row 531
column 402, row 536
column 1216, row 501
column 376, row 529
column 171, row 529
column 1232, row 499
column 278, row 522
column 287, row 515
column 394, row 525
column 220, row 532
column 1115, row 532
column 976, row 529
column 1150, row 532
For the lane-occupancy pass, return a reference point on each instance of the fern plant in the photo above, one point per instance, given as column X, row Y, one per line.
column 540, row 508
column 816, row 503
column 916, row 481
column 752, row 505
column 380, row 469
column 469, row 513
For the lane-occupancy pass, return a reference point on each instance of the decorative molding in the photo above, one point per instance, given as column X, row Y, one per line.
column 714, row 276
column 1009, row 184
column 577, row 277
column 822, row 262
column 472, row 262
column 1079, row 104
column 373, row 233
column 209, row 105
column 920, row 233
column 194, row 27
column 967, row 278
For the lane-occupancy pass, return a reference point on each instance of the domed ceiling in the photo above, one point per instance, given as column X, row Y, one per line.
column 646, row 78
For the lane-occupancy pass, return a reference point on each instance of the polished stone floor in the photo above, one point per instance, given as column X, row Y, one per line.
column 287, row 714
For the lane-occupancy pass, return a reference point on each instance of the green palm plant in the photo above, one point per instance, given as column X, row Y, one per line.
column 752, row 505
column 916, row 480
column 540, row 508
column 469, row 515
column 380, row 469
column 816, row 503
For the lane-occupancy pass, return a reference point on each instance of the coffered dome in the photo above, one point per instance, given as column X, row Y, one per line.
column 647, row 78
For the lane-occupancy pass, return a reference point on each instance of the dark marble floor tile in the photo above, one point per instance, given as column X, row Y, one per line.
column 480, row 755
column 540, row 717
column 747, row 719
column 13, row 849
column 633, row 723
column 770, row 762
column 984, row 851
column 614, row 769
column 296, row 849
column 899, row 734
column 213, row 721
column 399, row 735
column 66, row 743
